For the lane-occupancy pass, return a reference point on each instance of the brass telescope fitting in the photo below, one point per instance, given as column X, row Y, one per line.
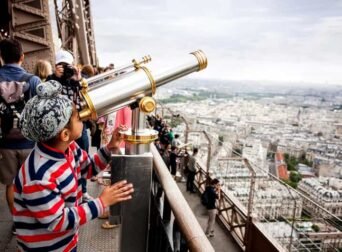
column 150, row 78
column 144, row 60
column 84, row 84
column 138, row 65
column 147, row 137
column 147, row 104
column 89, row 112
column 202, row 59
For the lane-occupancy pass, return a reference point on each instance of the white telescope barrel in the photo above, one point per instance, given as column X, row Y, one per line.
column 108, row 76
column 113, row 94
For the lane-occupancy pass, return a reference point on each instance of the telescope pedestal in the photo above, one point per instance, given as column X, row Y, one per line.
column 133, row 214
column 117, row 174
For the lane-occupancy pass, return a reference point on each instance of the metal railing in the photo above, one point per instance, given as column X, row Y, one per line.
column 172, row 220
column 269, row 211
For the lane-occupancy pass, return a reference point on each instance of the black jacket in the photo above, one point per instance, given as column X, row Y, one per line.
column 212, row 196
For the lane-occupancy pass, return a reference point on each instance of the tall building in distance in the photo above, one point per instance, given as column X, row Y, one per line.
column 281, row 167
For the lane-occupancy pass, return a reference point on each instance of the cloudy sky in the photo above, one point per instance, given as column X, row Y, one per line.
column 274, row 40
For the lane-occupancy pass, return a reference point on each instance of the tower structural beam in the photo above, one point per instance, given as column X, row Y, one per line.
column 75, row 29
column 28, row 21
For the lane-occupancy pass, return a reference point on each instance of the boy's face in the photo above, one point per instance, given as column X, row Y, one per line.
column 76, row 125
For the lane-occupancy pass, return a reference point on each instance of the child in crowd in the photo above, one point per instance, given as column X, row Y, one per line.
column 42, row 69
column 48, row 195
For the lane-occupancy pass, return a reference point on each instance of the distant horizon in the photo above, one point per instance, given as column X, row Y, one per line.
column 266, row 82
column 283, row 41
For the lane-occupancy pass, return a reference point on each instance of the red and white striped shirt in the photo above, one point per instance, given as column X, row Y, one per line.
column 48, row 194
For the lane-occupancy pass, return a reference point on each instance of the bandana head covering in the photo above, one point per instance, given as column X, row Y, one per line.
column 46, row 114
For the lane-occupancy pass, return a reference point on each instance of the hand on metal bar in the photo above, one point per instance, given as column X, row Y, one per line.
column 118, row 192
column 114, row 143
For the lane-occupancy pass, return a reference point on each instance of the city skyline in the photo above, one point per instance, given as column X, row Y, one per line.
column 288, row 41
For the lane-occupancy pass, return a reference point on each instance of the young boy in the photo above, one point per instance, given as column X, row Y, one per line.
column 48, row 194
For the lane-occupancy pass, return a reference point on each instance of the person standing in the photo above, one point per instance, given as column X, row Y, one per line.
column 175, row 141
column 165, row 154
column 191, row 171
column 43, row 69
column 173, row 160
column 114, row 120
column 171, row 135
column 157, row 144
column 87, row 71
column 213, row 192
column 13, row 152
column 70, row 76
column 184, row 165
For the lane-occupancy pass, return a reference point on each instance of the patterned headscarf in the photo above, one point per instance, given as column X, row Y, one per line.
column 46, row 114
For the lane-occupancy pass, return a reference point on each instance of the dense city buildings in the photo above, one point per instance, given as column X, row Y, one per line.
column 301, row 125
column 324, row 191
column 262, row 142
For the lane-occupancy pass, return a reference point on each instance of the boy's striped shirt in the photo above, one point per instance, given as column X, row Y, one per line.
column 48, row 194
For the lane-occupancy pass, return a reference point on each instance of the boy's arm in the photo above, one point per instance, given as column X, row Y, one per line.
column 90, row 166
column 45, row 203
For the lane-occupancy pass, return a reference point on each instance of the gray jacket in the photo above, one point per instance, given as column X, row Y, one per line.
column 192, row 163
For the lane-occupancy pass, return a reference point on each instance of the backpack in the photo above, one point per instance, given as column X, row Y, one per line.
column 204, row 198
column 13, row 97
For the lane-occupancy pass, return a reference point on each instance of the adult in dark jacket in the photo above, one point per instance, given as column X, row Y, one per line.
column 213, row 192
column 13, row 152
column 191, row 167
column 173, row 160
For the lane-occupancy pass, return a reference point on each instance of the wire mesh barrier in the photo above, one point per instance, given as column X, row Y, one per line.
column 230, row 212
column 281, row 211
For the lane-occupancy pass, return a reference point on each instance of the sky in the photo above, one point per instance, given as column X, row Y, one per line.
column 262, row 40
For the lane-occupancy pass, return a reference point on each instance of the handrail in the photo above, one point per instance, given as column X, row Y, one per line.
column 186, row 220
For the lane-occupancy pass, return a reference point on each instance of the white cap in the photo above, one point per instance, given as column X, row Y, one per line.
column 64, row 56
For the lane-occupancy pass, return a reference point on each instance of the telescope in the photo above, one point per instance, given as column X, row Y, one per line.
column 133, row 84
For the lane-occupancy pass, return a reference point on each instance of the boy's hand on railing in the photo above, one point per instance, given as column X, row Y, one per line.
column 118, row 192
column 116, row 140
